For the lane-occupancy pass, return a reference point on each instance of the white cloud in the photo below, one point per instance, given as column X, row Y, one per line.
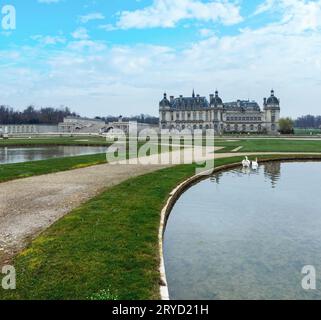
column 80, row 33
column 167, row 13
column 48, row 40
column 297, row 15
column 91, row 16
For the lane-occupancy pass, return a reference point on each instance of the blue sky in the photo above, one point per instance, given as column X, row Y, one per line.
column 103, row 57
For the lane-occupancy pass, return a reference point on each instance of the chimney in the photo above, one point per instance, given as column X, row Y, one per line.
column 264, row 101
column 172, row 98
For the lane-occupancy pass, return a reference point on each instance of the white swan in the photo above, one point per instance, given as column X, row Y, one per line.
column 246, row 162
column 255, row 164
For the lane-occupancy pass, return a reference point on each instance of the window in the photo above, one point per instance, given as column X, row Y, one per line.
column 244, row 127
column 177, row 116
column 236, row 128
column 228, row 128
column 252, row 127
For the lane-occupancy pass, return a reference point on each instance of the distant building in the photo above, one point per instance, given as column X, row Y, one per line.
column 197, row 112
column 16, row 129
column 81, row 125
column 126, row 127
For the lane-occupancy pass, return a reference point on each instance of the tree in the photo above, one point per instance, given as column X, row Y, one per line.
column 286, row 126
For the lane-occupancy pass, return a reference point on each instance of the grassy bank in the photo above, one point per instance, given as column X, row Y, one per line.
column 271, row 145
column 34, row 168
column 109, row 245
column 54, row 141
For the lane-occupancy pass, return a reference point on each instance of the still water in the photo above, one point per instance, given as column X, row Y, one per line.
column 17, row 154
column 245, row 234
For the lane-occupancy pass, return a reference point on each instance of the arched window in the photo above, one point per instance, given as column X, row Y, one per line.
column 244, row 127
column 273, row 127
column 228, row 128
column 259, row 128
column 236, row 127
column 252, row 127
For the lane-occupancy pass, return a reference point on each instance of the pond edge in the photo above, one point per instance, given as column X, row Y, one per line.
column 176, row 193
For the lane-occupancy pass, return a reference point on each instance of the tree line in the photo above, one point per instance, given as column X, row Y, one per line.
column 53, row 116
column 308, row 122
column 31, row 115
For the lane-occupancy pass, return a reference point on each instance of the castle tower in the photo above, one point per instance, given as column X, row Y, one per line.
column 272, row 113
column 217, row 104
column 164, row 112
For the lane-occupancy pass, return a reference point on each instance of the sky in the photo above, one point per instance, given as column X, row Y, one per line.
column 106, row 57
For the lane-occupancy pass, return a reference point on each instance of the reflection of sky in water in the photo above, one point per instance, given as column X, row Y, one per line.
column 17, row 155
column 246, row 235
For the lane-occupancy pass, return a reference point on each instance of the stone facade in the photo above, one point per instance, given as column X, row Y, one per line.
column 16, row 129
column 81, row 125
column 197, row 112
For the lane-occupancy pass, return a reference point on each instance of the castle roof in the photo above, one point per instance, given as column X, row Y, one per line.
column 273, row 99
column 216, row 100
column 189, row 103
column 242, row 105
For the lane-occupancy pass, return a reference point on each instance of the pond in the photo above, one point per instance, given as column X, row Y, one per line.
column 245, row 234
column 24, row 154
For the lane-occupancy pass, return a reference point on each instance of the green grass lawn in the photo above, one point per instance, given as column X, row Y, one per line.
column 55, row 140
column 271, row 145
column 298, row 131
column 34, row 168
column 108, row 245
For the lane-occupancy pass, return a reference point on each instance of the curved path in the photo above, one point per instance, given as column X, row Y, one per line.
column 29, row 206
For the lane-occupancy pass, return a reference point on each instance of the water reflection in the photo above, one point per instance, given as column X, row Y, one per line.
column 246, row 234
column 18, row 155
column 272, row 171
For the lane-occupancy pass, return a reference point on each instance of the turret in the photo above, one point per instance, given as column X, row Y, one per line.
column 272, row 113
